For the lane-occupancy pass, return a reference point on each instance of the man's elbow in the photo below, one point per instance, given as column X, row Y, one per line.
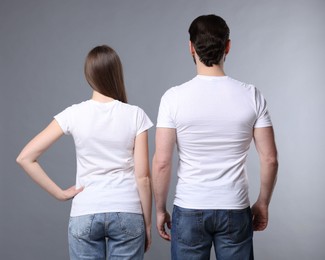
column 271, row 161
column 161, row 165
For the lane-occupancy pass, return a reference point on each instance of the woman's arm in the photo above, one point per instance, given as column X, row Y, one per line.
column 27, row 159
column 142, row 174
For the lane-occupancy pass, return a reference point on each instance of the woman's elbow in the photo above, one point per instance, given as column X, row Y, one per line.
column 143, row 181
column 22, row 160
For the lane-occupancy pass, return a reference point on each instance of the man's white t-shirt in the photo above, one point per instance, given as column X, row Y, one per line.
column 214, row 118
column 104, row 136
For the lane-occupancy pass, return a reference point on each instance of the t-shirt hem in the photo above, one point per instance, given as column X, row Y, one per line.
column 213, row 207
column 145, row 128
column 263, row 125
column 89, row 212
column 165, row 126
column 59, row 121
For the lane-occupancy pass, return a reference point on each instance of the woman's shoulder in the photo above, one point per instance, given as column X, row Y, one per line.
column 133, row 110
column 76, row 108
column 128, row 106
column 80, row 104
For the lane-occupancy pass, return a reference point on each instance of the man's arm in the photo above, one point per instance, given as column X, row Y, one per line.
column 266, row 148
column 161, row 175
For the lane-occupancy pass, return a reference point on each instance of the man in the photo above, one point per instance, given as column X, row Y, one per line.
column 212, row 119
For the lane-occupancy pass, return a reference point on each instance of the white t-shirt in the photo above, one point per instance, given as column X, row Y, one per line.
column 214, row 118
column 104, row 135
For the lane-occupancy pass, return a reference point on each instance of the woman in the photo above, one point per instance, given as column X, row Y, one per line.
column 111, row 207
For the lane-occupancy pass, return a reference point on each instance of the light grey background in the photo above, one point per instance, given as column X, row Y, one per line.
column 276, row 45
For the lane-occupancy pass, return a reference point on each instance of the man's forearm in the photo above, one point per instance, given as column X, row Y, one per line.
column 161, row 175
column 268, row 180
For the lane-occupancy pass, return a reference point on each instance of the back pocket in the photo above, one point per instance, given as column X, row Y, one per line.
column 80, row 226
column 189, row 226
column 131, row 224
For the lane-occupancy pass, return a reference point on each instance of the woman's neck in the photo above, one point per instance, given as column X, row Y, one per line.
column 101, row 98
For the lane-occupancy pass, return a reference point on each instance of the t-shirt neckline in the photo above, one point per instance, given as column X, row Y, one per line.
column 109, row 103
column 206, row 77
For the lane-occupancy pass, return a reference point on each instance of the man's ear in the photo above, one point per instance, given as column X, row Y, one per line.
column 228, row 46
column 192, row 49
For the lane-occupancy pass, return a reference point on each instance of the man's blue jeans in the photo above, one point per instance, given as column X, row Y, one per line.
column 107, row 236
column 194, row 231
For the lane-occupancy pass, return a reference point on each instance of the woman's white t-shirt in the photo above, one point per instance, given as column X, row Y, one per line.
column 214, row 118
column 104, row 136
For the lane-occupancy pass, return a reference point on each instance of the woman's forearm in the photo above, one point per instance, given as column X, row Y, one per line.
column 38, row 175
column 144, row 189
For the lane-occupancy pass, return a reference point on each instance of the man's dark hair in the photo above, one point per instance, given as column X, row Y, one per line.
column 209, row 34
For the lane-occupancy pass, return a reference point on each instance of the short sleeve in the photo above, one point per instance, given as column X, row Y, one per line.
column 263, row 117
column 143, row 121
column 165, row 118
column 64, row 121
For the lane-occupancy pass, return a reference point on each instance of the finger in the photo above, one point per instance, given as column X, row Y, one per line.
column 164, row 235
column 162, row 232
column 148, row 244
column 76, row 191
column 79, row 189
column 169, row 225
column 259, row 225
column 72, row 192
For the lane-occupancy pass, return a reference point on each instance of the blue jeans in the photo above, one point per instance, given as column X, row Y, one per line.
column 107, row 236
column 194, row 231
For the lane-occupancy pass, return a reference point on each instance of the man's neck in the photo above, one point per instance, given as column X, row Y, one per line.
column 215, row 70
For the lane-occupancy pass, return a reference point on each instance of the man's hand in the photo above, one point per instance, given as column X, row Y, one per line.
column 260, row 216
column 162, row 220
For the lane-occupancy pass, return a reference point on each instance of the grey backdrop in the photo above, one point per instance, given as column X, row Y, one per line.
column 277, row 45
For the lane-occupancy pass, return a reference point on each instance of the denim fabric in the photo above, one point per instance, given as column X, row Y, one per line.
column 194, row 231
column 107, row 236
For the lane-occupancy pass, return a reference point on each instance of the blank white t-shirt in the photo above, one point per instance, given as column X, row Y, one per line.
column 104, row 135
column 214, row 118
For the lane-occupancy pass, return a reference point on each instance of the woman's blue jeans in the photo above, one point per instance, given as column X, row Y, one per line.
column 194, row 231
column 107, row 236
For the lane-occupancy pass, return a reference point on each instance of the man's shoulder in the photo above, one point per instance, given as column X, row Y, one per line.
column 181, row 86
column 174, row 91
column 246, row 87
